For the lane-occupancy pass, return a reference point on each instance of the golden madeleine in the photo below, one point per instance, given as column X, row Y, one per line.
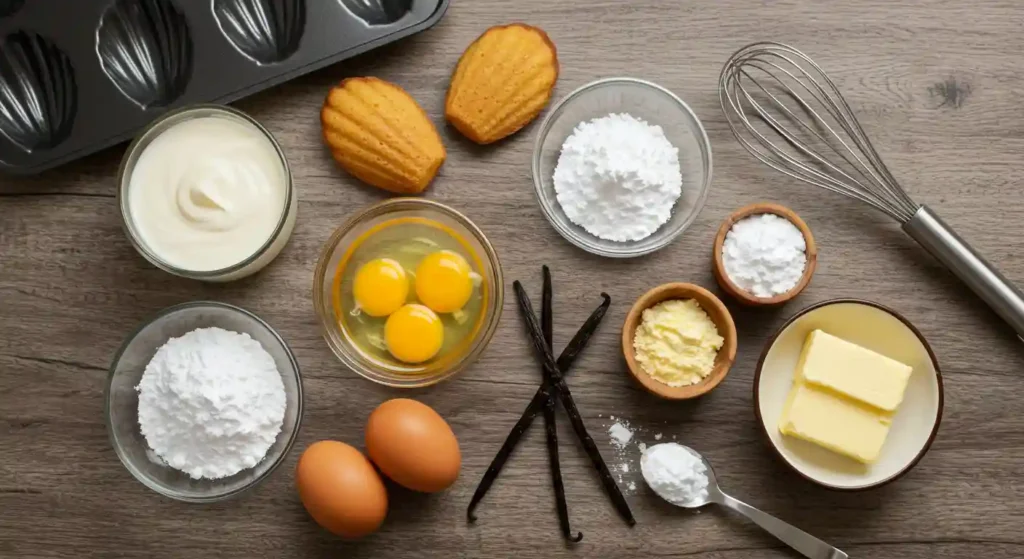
column 377, row 132
column 502, row 82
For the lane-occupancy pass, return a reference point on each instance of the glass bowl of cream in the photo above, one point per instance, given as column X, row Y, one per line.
column 206, row 193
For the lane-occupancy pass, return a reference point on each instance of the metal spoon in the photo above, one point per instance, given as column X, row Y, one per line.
column 801, row 541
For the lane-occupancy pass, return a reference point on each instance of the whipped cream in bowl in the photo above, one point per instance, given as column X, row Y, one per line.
column 206, row 193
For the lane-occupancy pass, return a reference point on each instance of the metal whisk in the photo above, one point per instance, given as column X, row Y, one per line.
column 790, row 115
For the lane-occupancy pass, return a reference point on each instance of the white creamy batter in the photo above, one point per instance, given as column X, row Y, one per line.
column 207, row 193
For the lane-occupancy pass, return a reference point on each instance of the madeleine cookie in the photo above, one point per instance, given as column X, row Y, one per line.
column 502, row 82
column 377, row 132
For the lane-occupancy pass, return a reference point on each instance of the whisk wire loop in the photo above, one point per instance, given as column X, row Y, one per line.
column 790, row 115
column 780, row 159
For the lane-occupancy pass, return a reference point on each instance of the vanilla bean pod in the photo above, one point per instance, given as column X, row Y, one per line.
column 565, row 361
column 548, row 360
column 547, row 323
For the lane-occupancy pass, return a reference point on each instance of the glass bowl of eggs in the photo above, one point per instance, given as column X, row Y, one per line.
column 409, row 292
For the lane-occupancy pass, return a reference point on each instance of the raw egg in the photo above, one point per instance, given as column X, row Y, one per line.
column 413, row 334
column 381, row 287
column 413, row 445
column 340, row 489
column 444, row 282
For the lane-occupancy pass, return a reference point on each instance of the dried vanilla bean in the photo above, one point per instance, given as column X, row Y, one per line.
column 565, row 361
column 534, row 328
column 547, row 323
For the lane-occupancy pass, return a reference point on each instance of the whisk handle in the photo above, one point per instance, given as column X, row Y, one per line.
column 946, row 246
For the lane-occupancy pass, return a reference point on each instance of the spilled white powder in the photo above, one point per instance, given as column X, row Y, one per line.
column 627, row 444
column 618, row 178
column 764, row 255
column 620, row 434
column 211, row 403
column 675, row 473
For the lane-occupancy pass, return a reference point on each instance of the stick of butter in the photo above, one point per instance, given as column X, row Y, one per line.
column 853, row 371
column 843, row 397
column 835, row 423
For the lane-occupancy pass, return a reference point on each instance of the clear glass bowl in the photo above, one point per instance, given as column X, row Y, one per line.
column 247, row 266
column 393, row 373
column 122, row 400
column 651, row 103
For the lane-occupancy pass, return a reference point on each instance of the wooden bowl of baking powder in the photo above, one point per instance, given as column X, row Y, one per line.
column 743, row 296
column 715, row 309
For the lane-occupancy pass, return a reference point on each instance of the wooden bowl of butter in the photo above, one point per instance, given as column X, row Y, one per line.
column 679, row 341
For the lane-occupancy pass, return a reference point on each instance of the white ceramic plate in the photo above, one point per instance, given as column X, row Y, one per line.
column 877, row 328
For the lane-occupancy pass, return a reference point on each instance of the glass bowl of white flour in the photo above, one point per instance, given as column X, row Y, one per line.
column 621, row 167
column 203, row 402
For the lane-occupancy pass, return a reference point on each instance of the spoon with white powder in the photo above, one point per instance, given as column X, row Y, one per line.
column 684, row 478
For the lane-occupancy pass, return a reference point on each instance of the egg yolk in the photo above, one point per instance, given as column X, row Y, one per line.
column 443, row 281
column 381, row 287
column 413, row 334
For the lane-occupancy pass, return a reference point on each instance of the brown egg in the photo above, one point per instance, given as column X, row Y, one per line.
column 413, row 445
column 340, row 489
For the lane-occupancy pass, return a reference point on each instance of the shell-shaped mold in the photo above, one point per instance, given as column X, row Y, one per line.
column 378, row 12
column 145, row 48
column 8, row 7
column 38, row 98
column 267, row 31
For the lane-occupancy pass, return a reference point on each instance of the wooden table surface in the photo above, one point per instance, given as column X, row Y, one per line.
column 938, row 85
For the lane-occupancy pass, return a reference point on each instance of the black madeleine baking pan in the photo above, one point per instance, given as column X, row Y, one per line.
column 80, row 75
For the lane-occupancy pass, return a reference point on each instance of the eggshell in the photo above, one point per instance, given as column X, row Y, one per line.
column 413, row 445
column 340, row 489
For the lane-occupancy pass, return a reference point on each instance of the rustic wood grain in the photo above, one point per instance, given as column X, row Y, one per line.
column 939, row 86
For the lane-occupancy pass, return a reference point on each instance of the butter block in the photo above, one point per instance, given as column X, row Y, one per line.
column 835, row 423
column 853, row 371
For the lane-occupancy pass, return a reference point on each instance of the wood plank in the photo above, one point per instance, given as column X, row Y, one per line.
column 72, row 287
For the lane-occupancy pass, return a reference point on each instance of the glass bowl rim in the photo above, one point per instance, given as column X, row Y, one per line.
column 584, row 242
column 153, row 131
column 383, row 209
column 145, row 323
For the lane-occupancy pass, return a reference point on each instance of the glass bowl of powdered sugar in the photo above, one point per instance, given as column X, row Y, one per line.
column 203, row 402
column 621, row 167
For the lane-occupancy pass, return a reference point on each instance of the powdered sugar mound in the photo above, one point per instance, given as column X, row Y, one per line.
column 675, row 473
column 618, row 178
column 211, row 403
column 764, row 255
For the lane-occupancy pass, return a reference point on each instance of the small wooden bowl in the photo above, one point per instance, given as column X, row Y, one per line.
column 718, row 313
column 734, row 290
